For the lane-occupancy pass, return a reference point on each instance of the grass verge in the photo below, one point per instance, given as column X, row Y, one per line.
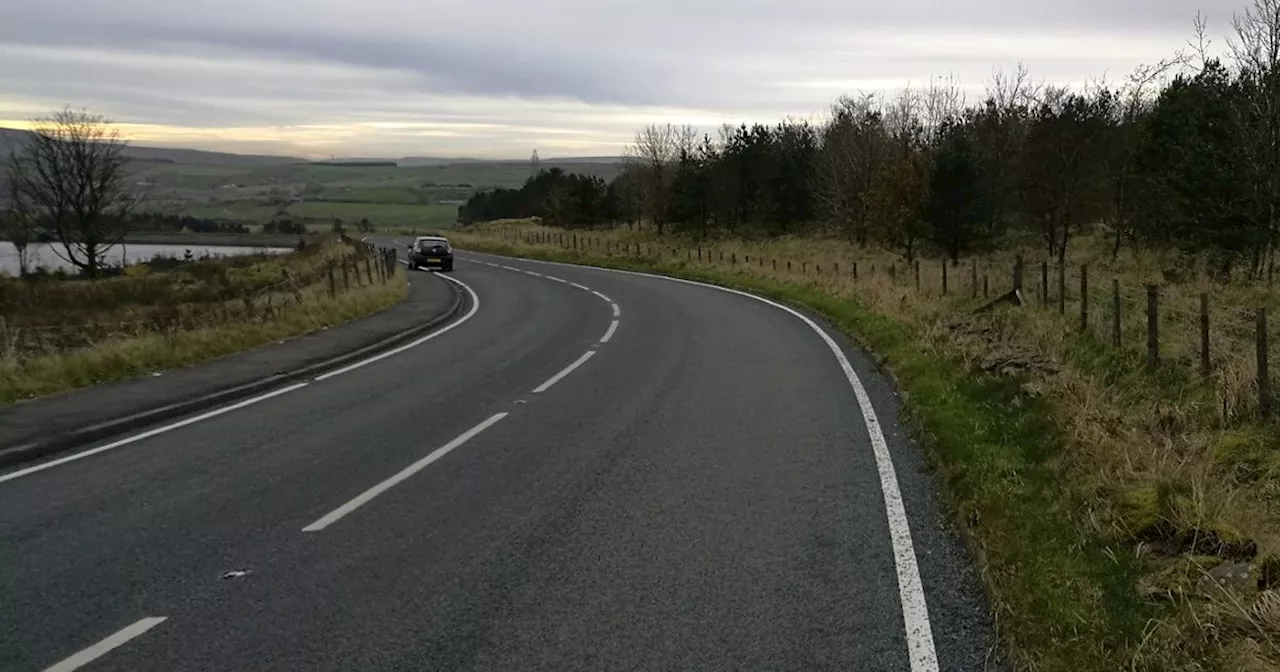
column 195, row 331
column 1102, row 503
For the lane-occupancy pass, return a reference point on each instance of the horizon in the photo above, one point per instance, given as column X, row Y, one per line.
column 398, row 80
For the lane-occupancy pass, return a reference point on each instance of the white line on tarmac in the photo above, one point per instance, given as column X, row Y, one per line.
column 566, row 371
column 613, row 326
column 86, row 656
column 148, row 434
column 921, row 650
column 616, row 311
column 552, row 277
column 582, row 287
column 364, row 497
column 475, row 305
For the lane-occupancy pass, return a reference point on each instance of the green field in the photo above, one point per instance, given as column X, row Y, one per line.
column 322, row 213
column 416, row 197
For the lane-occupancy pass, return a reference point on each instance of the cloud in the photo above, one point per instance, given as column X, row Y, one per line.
column 487, row 77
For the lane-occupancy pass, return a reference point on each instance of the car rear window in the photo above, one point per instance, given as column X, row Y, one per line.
column 428, row 244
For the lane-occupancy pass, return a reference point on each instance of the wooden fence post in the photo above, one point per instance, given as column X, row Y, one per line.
column 1264, row 376
column 1017, row 274
column 1153, row 326
column 944, row 277
column 1115, row 312
column 986, row 286
column 1084, row 297
column 1204, row 334
column 855, row 271
column 973, row 277
column 1044, row 284
column 917, row 267
column 1062, row 288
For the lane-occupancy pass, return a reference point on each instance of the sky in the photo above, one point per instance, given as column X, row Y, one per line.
column 499, row 79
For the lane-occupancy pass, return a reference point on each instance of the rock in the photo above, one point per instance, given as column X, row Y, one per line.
column 1235, row 577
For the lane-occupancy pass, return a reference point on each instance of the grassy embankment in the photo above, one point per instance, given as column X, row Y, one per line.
column 58, row 335
column 1104, row 502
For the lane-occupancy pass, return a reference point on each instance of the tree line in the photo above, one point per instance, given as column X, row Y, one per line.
column 1183, row 154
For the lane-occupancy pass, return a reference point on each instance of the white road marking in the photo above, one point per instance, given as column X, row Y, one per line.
column 511, row 268
column 566, row 371
column 915, row 612
column 86, row 656
column 582, row 287
column 552, row 277
column 364, row 497
column 475, row 305
column 534, row 274
column 148, row 434
column 602, row 296
column 613, row 326
column 616, row 311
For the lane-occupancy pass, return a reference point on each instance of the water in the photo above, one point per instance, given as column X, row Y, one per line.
column 47, row 254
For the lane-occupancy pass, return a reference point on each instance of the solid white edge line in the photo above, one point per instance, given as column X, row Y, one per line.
column 86, row 656
column 150, row 433
column 364, row 497
column 915, row 612
column 613, row 326
column 564, row 372
column 475, row 306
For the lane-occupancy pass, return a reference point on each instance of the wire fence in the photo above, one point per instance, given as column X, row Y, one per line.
column 1167, row 325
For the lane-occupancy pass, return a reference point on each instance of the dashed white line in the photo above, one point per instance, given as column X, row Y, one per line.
column 602, row 296
column 511, row 268
column 582, row 287
column 148, row 434
column 552, row 277
column 364, row 497
column 566, row 371
column 534, row 274
column 613, row 326
column 86, row 656
column 616, row 311
column 475, row 305
column 921, row 650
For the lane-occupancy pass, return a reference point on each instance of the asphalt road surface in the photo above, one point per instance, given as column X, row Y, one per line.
column 590, row 470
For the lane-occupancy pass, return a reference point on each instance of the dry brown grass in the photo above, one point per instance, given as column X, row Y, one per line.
column 57, row 335
column 1172, row 471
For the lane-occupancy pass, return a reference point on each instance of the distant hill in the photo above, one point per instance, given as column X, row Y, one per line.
column 412, row 161
column 11, row 138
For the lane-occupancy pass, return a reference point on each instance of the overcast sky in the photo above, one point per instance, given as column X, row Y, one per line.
column 504, row 77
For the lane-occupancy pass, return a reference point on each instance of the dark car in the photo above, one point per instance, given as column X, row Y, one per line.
column 431, row 252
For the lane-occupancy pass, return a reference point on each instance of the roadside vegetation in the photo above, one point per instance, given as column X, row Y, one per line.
column 101, row 322
column 1122, row 503
column 61, row 333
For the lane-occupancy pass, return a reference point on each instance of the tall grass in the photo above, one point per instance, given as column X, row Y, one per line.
column 1113, row 508
column 58, row 335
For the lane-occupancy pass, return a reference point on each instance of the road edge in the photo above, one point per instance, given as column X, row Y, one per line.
column 75, row 438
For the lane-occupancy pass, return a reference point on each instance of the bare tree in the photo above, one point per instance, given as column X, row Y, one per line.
column 854, row 147
column 71, row 171
column 653, row 157
column 1256, row 51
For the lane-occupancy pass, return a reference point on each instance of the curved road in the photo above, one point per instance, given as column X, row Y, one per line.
column 591, row 470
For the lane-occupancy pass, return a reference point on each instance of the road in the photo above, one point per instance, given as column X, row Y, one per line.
column 591, row 470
